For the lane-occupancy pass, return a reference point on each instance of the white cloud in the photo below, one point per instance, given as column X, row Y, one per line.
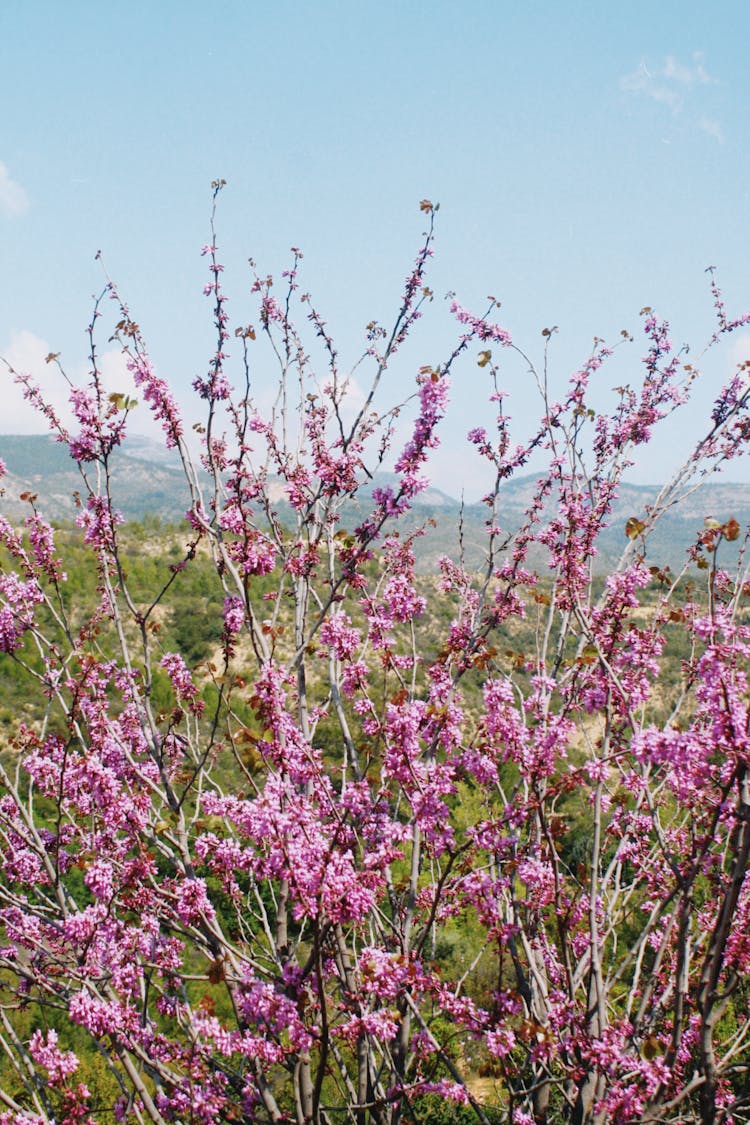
column 114, row 372
column 650, row 83
column 353, row 400
column 740, row 351
column 676, row 85
column 13, row 199
column 691, row 75
column 27, row 355
column 713, row 127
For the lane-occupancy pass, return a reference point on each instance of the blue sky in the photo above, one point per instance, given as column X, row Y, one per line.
column 589, row 159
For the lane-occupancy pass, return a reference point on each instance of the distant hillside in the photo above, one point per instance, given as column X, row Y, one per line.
column 143, row 480
column 146, row 482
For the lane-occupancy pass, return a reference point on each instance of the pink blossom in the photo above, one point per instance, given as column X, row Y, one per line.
column 182, row 681
column 44, row 1051
column 100, row 880
column 234, row 615
column 479, row 326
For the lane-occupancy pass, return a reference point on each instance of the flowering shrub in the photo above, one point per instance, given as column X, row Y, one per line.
column 359, row 861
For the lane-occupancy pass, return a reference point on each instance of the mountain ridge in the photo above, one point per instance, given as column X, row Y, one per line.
column 145, row 484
